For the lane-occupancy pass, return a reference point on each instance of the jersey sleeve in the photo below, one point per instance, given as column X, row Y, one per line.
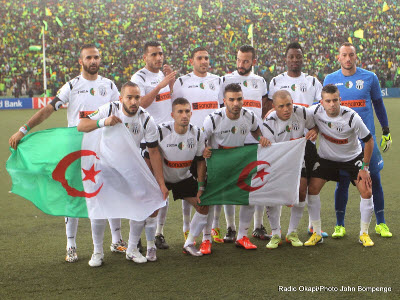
column 264, row 88
column 361, row 129
column 267, row 130
column 310, row 123
column 318, row 91
column 101, row 113
column 207, row 128
column 64, row 93
column 221, row 91
column 200, row 145
column 272, row 89
column 115, row 93
column 254, row 123
column 140, row 82
column 376, row 92
column 151, row 131
column 177, row 90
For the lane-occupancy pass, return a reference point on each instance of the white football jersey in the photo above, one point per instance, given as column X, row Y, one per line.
column 222, row 132
column 254, row 89
column 201, row 92
column 339, row 136
column 277, row 130
column 305, row 89
column 141, row 125
column 160, row 109
column 85, row 96
column 179, row 150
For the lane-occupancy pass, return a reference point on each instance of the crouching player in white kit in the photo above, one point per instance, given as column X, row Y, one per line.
column 228, row 127
column 141, row 126
column 287, row 123
column 181, row 143
column 340, row 155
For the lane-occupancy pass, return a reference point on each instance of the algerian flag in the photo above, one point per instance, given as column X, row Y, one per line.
column 99, row 175
column 255, row 175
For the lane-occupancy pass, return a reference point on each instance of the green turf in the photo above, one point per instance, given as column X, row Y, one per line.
column 32, row 249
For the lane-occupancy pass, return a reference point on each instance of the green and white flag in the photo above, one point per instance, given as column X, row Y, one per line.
column 253, row 175
column 99, row 175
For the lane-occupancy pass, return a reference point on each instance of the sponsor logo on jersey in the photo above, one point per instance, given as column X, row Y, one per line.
column 303, row 87
column 359, row 84
column 92, row 91
column 251, row 103
column 102, row 90
column 284, row 87
column 190, row 143
column 339, row 83
column 348, row 84
column 178, row 164
column 163, row 96
column 353, row 103
column 83, row 92
column 84, row 114
column 234, row 129
column 202, row 86
column 243, row 129
column 154, row 82
column 181, row 146
column 245, row 83
column 334, row 140
column 205, row 105
column 172, row 145
column 193, row 86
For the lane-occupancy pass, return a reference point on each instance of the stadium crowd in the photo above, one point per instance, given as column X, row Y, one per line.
column 118, row 28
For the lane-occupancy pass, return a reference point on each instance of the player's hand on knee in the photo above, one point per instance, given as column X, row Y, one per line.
column 112, row 120
column 386, row 142
column 15, row 138
column 207, row 152
column 364, row 177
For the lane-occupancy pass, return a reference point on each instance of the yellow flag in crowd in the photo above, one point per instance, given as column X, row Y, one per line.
column 200, row 11
column 385, row 7
column 359, row 33
column 48, row 12
column 250, row 31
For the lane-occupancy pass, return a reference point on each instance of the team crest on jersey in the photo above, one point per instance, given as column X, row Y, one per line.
column 295, row 126
column 92, row 91
column 135, row 128
column 245, row 83
column 293, row 87
column 303, row 87
column 211, row 85
column 202, row 86
column 102, row 90
column 190, row 143
column 243, row 129
column 255, row 84
column 181, row 146
column 360, row 84
column 348, row 84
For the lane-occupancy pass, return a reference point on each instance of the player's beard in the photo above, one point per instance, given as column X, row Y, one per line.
column 246, row 71
column 128, row 111
column 91, row 71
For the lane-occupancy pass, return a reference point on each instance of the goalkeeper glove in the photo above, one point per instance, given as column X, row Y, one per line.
column 386, row 140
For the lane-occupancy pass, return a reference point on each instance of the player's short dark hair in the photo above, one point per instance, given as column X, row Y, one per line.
column 180, row 101
column 330, row 89
column 128, row 83
column 247, row 49
column 281, row 94
column 197, row 49
column 87, row 46
column 150, row 44
column 233, row 87
column 293, row 45
column 347, row 44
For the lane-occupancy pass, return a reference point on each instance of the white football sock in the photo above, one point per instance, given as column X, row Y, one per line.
column 274, row 217
column 186, row 212
column 115, row 227
column 150, row 230
column 162, row 216
column 258, row 216
column 230, row 216
column 98, row 227
column 135, row 230
column 366, row 210
column 217, row 214
column 196, row 226
column 314, row 210
column 246, row 213
column 295, row 216
column 71, row 229
column 208, row 227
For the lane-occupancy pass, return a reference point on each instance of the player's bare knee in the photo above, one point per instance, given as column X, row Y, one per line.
column 154, row 214
column 366, row 194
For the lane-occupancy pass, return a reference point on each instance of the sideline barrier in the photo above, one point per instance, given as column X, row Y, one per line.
column 391, row 93
column 26, row 103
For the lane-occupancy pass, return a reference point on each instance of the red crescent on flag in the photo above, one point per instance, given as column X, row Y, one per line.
column 245, row 173
column 59, row 173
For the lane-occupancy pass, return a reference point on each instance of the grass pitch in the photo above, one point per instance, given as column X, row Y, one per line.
column 32, row 250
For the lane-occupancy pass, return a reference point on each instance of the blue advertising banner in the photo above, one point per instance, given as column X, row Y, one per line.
column 16, row 103
column 391, row 93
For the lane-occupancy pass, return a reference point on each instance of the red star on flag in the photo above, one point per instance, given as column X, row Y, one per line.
column 90, row 174
column 261, row 174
